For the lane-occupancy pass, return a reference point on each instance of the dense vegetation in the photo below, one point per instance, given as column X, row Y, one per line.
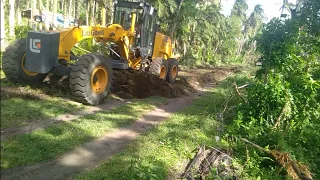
column 282, row 109
column 203, row 34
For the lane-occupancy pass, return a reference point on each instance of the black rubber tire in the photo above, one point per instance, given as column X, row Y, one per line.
column 171, row 64
column 12, row 64
column 73, row 56
column 156, row 65
column 80, row 78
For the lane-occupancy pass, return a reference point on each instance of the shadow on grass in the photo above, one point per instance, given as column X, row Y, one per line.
column 17, row 111
column 35, row 91
column 43, row 145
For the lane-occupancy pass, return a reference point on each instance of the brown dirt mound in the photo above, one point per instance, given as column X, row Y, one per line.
column 137, row 84
column 126, row 84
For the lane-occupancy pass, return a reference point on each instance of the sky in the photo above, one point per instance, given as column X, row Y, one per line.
column 271, row 7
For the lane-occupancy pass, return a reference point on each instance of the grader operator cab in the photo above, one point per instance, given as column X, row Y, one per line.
column 136, row 45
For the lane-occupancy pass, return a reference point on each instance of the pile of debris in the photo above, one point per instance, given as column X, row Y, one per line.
column 136, row 84
column 208, row 161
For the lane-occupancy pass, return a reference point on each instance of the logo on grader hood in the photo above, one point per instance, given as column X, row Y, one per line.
column 35, row 45
column 92, row 33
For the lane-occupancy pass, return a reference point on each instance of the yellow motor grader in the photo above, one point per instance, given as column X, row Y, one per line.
column 132, row 42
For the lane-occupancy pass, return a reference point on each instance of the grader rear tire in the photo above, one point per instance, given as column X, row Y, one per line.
column 13, row 64
column 159, row 67
column 173, row 68
column 90, row 78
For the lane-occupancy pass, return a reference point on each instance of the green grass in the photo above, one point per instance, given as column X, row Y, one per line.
column 43, row 145
column 19, row 112
column 2, row 75
column 21, row 105
column 166, row 149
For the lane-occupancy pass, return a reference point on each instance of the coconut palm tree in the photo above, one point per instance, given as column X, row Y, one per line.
column 239, row 9
column 253, row 23
column 256, row 17
column 11, row 18
column 286, row 6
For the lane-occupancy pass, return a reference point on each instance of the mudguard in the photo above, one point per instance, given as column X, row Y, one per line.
column 42, row 51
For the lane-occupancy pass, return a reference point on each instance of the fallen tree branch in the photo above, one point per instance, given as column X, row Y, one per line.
column 255, row 145
column 205, row 160
column 237, row 91
column 243, row 86
column 196, row 160
column 294, row 168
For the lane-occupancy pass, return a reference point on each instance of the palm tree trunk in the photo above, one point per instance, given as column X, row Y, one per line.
column 103, row 16
column 240, row 48
column 3, row 34
column 11, row 18
column 217, row 47
column 70, row 11
column 65, row 14
column 87, row 13
column 47, row 5
column 19, row 19
column 34, row 12
column 108, row 11
column 76, row 9
column 175, row 22
column 55, row 6
column 92, row 23
column 55, row 10
column 62, row 5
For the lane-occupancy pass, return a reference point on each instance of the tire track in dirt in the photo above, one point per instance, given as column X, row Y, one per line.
column 93, row 153
column 108, row 105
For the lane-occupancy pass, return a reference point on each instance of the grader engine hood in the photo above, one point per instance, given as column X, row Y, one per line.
column 42, row 51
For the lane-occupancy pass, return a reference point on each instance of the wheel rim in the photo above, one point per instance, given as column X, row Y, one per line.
column 99, row 79
column 29, row 73
column 174, row 71
column 162, row 72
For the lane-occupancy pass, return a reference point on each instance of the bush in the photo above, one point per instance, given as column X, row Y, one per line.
column 21, row 31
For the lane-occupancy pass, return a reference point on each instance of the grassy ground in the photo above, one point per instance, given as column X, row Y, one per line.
column 19, row 112
column 21, row 105
column 165, row 150
column 43, row 145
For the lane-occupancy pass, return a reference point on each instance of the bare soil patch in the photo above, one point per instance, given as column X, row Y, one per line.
column 137, row 84
column 126, row 85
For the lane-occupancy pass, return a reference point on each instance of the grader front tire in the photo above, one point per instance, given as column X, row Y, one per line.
column 173, row 68
column 90, row 79
column 159, row 67
column 13, row 64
